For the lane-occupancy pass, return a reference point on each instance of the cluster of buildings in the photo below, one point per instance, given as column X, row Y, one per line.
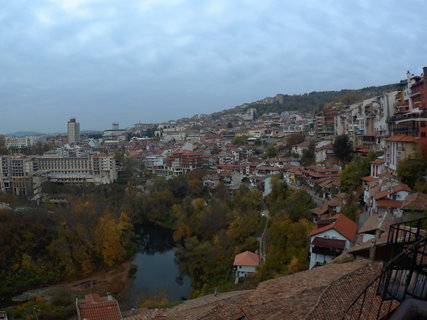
column 232, row 148
column 394, row 122
column 72, row 161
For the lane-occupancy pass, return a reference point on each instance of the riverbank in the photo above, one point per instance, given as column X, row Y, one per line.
column 112, row 280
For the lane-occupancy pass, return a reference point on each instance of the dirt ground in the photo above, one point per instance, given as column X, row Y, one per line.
column 112, row 281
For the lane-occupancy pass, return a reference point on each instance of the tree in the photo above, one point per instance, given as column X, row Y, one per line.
column 353, row 172
column 308, row 156
column 294, row 139
column 413, row 172
column 240, row 141
column 271, row 151
column 342, row 147
column 108, row 237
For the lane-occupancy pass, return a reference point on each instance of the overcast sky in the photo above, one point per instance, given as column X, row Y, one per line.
column 125, row 61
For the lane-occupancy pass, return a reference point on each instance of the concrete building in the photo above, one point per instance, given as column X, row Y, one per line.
column 73, row 131
column 21, row 142
column 24, row 175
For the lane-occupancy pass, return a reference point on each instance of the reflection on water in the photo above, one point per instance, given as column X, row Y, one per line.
column 157, row 275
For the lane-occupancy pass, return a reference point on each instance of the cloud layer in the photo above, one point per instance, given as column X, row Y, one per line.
column 104, row 61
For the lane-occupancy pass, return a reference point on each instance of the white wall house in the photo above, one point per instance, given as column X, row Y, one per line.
column 330, row 238
column 245, row 263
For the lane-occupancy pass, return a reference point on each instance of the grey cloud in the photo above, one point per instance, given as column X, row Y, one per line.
column 104, row 61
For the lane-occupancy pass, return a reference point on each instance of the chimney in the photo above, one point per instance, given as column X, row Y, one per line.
column 425, row 73
column 110, row 297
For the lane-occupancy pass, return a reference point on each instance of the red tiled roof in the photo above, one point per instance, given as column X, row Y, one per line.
column 328, row 243
column 415, row 201
column 94, row 307
column 401, row 187
column 246, row 258
column 400, row 138
column 368, row 178
column 377, row 162
column 389, row 203
column 342, row 224
column 381, row 194
column 320, row 210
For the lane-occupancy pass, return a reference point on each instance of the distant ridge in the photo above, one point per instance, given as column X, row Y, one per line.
column 310, row 102
column 24, row 133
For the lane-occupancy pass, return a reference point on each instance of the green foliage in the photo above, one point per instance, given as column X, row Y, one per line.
column 412, row 172
column 287, row 235
column 39, row 248
column 271, row 151
column 310, row 102
column 286, row 249
column 353, row 172
column 342, row 147
column 352, row 211
column 240, row 141
column 212, row 231
column 293, row 204
column 60, row 306
column 308, row 156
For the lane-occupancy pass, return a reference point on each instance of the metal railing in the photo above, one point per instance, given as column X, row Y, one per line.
column 404, row 276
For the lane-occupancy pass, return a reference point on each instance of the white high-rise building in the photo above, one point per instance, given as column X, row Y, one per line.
column 73, row 131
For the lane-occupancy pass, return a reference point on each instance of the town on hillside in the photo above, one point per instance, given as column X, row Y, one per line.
column 360, row 162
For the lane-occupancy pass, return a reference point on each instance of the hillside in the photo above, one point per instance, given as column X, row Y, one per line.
column 310, row 102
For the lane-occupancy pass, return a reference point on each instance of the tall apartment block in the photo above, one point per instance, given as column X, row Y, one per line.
column 73, row 131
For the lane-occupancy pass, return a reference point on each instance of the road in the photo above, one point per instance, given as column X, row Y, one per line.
column 262, row 248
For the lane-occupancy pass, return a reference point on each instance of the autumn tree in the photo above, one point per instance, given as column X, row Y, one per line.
column 108, row 239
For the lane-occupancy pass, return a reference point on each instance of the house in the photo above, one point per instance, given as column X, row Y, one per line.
column 300, row 147
column 246, row 263
column 94, row 307
column 330, row 238
column 3, row 315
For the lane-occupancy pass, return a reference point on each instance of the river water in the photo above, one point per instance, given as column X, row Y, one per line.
column 158, row 274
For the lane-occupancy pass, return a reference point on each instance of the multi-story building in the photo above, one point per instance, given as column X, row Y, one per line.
column 21, row 142
column 411, row 110
column 24, row 175
column 399, row 148
column 73, row 131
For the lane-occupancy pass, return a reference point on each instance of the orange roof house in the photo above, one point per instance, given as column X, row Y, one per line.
column 245, row 264
column 330, row 238
column 94, row 307
column 343, row 225
column 246, row 258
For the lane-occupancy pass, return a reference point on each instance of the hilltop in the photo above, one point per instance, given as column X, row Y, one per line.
column 309, row 102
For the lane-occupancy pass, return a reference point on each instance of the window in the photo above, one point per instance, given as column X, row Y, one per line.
column 423, row 134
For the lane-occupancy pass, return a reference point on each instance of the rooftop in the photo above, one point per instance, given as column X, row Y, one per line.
column 246, row 258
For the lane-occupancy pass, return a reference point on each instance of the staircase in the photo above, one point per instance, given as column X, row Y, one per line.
column 402, row 281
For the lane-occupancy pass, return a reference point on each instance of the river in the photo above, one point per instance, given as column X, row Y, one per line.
column 157, row 275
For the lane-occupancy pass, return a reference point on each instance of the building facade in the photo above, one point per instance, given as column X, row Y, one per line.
column 73, row 131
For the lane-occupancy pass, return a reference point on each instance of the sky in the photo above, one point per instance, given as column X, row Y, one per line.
column 129, row 61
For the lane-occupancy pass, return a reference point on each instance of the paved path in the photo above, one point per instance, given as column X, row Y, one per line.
column 262, row 249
